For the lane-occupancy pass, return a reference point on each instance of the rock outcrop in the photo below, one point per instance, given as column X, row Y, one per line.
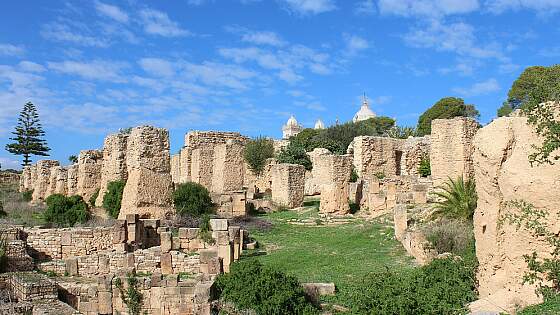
column 503, row 173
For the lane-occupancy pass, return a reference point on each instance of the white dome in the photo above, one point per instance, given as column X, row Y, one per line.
column 319, row 124
column 364, row 113
column 292, row 121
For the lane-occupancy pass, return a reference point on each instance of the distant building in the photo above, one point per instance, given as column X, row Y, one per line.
column 365, row 112
column 291, row 128
column 319, row 124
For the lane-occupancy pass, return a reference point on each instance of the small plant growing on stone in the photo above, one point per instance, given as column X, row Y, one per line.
column 27, row 195
column 132, row 297
column 318, row 221
column 379, row 175
column 113, row 198
column 257, row 151
column 457, row 199
column 73, row 159
column 424, row 169
column 93, row 198
column 353, row 176
column 204, row 230
column 192, row 198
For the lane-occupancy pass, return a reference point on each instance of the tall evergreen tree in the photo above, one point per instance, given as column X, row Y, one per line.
column 28, row 135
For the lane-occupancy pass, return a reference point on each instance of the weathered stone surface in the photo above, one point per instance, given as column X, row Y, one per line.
column 400, row 219
column 42, row 183
column 61, row 181
column 288, row 184
column 114, row 163
column 149, row 187
column 228, row 166
column 373, row 155
column 503, row 173
column 72, row 180
column 176, row 168
column 414, row 150
column 89, row 173
column 451, row 148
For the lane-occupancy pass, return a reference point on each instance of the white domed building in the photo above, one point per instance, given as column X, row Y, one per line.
column 365, row 112
column 291, row 128
column 319, row 124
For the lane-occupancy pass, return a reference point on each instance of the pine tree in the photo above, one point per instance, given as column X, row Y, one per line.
column 28, row 135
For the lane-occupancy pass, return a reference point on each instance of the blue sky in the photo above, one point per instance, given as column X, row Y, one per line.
column 93, row 67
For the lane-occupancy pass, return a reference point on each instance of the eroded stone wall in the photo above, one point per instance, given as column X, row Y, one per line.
column 72, row 180
column 377, row 155
column 503, row 174
column 452, row 149
column 334, row 187
column 114, row 163
column 149, row 186
column 61, row 186
column 288, row 184
column 42, row 183
column 176, row 168
column 228, row 172
column 414, row 150
column 89, row 173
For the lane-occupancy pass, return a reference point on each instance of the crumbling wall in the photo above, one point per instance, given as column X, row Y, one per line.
column 452, row 149
column 42, row 183
column 176, row 168
column 72, row 180
column 61, row 181
column 52, row 180
column 377, row 155
column 25, row 179
column 89, row 173
column 320, row 173
column 334, row 188
column 149, row 187
column 288, row 184
column 261, row 182
column 227, row 175
column 114, row 163
column 503, row 174
column 414, row 150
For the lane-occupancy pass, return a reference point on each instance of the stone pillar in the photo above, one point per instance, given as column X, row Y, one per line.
column 400, row 219
column 415, row 149
column 228, row 167
column 334, row 192
column 185, row 165
column 176, row 168
column 148, row 190
column 288, row 185
column 25, row 179
column 42, row 183
column 61, row 181
column 72, row 181
column 89, row 173
column 33, row 177
column 114, row 163
column 452, row 149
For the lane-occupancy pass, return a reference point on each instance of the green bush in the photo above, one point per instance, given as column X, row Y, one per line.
column 93, row 198
column 132, row 297
column 192, row 198
column 251, row 286
column 549, row 307
column 447, row 107
column 457, row 199
column 425, row 168
column 442, row 287
column 113, row 198
column 295, row 154
column 66, row 211
column 450, row 236
column 257, row 151
column 399, row 132
column 27, row 195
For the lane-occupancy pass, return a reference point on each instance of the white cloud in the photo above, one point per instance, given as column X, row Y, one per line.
column 157, row 66
column 8, row 163
column 310, row 6
column 111, row 11
column 96, row 70
column 457, row 37
column 355, row 44
column 263, row 38
column 57, row 31
column 158, row 23
column 11, row 50
column 541, row 6
column 220, row 75
column 31, row 66
column 480, row 88
column 427, row 8
column 365, row 7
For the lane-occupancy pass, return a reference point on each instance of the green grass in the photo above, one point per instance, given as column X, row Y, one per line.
column 342, row 254
column 18, row 210
column 550, row 307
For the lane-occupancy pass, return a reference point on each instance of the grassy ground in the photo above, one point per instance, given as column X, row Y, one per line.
column 18, row 210
column 340, row 253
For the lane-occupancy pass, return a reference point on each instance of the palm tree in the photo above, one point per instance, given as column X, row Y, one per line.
column 457, row 199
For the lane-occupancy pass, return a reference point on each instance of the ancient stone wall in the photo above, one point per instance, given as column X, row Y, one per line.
column 334, row 188
column 414, row 150
column 451, row 148
column 503, row 174
column 114, row 163
column 261, row 182
column 288, row 184
column 61, row 179
column 227, row 175
column 185, row 165
column 72, row 180
column 149, row 187
column 377, row 155
column 26, row 181
column 89, row 173
column 320, row 173
column 176, row 168
column 42, row 183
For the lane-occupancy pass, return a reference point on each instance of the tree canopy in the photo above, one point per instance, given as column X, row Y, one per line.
column 257, row 151
column 28, row 135
column 447, row 107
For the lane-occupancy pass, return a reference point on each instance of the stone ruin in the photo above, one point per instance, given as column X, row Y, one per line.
column 288, row 185
column 113, row 167
column 89, row 173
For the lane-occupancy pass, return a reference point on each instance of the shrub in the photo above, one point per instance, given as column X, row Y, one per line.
column 354, row 176
column 113, row 197
column 425, row 169
column 399, row 132
column 205, row 230
column 3, row 256
column 192, row 198
column 252, row 286
column 295, row 154
column 132, row 297
column 450, row 236
column 457, row 199
column 442, row 287
column 93, row 198
column 27, row 195
column 66, row 211
column 549, row 307
column 256, row 152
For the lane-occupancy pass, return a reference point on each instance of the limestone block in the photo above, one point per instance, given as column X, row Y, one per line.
column 176, row 168
column 225, row 252
column 207, row 254
column 166, row 264
column 72, row 266
column 219, row 224
column 61, row 186
column 113, row 167
column 377, row 202
column 228, row 167
column 105, row 302
column 42, row 183
column 166, row 242
column 452, row 149
column 334, row 198
column 400, row 219
column 72, row 180
column 503, row 173
column 89, row 173
column 288, row 184
column 214, row 266
column 149, row 187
